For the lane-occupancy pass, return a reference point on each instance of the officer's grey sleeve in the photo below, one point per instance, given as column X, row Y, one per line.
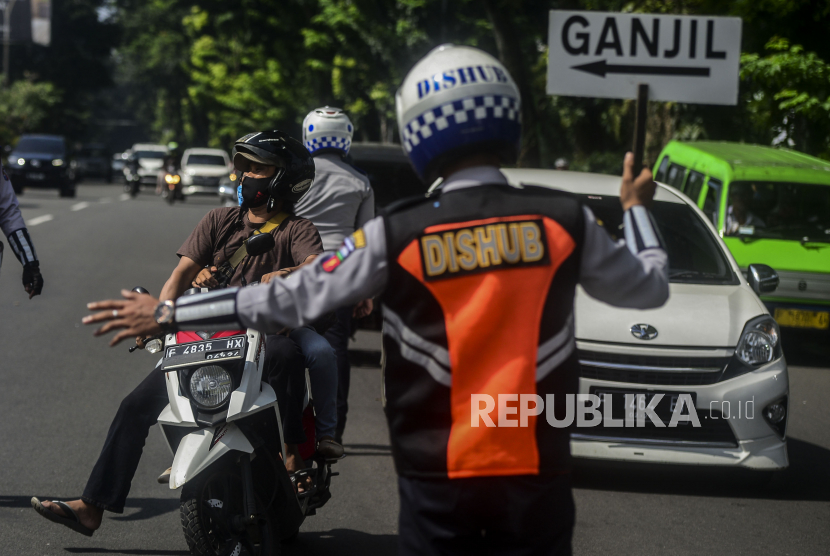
column 356, row 271
column 366, row 210
column 633, row 273
column 12, row 224
column 10, row 218
column 352, row 273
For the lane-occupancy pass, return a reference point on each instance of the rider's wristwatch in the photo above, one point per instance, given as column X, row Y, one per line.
column 165, row 315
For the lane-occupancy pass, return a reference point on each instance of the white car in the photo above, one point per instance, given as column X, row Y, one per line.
column 203, row 169
column 148, row 158
column 713, row 339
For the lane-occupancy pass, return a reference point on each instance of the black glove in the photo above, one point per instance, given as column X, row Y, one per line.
column 32, row 279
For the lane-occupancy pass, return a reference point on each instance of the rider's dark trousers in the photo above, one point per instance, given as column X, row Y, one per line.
column 338, row 336
column 110, row 480
column 506, row 516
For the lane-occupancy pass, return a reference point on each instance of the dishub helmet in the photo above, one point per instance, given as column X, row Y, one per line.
column 295, row 168
column 327, row 128
column 457, row 100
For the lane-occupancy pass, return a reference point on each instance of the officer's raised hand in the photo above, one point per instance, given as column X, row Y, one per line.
column 636, row 191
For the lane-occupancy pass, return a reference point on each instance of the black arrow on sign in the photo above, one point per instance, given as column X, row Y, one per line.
column 602, row 67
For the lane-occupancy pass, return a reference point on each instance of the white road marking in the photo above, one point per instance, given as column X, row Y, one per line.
column 124, row 197
column 79, row 206
column 40, row 220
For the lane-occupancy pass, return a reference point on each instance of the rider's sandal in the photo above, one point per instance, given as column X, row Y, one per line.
column 71, row 519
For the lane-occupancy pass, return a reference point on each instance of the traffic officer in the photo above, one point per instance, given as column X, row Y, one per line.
column 477, row 287
column 340, row 201
column 11, row 222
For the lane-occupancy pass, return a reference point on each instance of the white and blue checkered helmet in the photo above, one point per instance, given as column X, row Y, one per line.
column 327, row 128
column 457, row 100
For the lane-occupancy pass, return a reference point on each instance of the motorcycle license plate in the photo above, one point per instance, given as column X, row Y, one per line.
column 35, row 176
column 219, row 349
column 627, row 409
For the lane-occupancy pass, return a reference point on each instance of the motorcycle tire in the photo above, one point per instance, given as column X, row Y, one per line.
column 203, row 499
column 170, row 197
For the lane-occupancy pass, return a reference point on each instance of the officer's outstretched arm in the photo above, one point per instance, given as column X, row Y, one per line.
column 633, row 273
column 356, row 271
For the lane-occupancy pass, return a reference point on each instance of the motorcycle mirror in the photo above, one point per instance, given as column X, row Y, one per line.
column 258, row 244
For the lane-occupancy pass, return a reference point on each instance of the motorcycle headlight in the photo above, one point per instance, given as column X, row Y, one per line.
column 760, row 341
column 210, row 386
column 172, row 179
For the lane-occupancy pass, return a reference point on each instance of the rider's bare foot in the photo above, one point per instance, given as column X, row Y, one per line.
column 293, row 463
column 89, row 515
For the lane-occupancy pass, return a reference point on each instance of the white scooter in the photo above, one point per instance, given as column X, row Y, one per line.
column 224, row 429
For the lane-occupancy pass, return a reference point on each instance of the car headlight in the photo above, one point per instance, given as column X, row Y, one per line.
column 57, row 162
column 210, row 386
column 21, row 161
column 760, row 341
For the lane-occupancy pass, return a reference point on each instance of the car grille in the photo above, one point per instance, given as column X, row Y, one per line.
column 650, row 369
column 206, row 181
column 714, row 430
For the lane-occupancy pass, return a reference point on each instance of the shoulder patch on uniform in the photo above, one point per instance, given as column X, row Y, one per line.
column 5, row 175
column 352, row 243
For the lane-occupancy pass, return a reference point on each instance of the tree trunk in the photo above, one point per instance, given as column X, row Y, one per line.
column 510, row 54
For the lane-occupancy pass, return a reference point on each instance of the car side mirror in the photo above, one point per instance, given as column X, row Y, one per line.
column 259, row 244
column 762, row 278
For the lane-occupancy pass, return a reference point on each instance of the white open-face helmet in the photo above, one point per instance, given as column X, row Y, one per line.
column 457, row 100
column 327, row 128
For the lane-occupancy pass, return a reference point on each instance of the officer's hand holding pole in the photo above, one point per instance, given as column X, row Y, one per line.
column 636, row 191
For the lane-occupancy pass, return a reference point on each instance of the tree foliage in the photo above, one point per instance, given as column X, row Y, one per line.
column 204, row 72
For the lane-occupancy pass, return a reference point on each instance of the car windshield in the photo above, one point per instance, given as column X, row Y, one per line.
column 149, row 154
column 41, row 145
column 694, row 255
column 207, row 159
column 778, row 210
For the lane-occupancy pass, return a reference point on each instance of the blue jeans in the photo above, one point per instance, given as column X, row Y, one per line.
column 322, row 371
column 338, row 336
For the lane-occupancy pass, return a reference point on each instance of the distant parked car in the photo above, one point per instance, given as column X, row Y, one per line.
column 42, row 161
column 94, row 162
column 145, row 161
column 203, row 169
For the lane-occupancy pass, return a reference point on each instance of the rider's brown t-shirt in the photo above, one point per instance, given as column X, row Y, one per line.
column 296, row 238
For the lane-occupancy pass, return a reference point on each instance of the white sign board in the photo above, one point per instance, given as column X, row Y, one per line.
column 682, row 58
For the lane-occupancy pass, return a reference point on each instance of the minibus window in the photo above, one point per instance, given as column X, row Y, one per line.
column 711, row 204
column 694, row 184
column 662, row 170
column 676, row 175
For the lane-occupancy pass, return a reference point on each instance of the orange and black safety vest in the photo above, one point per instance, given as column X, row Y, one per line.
column 479, row 300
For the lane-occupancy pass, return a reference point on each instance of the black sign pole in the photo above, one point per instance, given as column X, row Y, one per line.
column 640, row 126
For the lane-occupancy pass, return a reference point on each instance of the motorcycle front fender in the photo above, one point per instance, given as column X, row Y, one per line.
column 200, row 449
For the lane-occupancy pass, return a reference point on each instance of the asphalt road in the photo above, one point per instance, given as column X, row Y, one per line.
column 60, row 387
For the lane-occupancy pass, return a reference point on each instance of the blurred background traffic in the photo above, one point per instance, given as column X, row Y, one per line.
column 108, row 76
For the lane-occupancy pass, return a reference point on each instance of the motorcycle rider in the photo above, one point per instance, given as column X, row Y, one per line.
column 11, row 222
column 477, row 285
column 276, row 171
column 340, row 202
column 170, row 165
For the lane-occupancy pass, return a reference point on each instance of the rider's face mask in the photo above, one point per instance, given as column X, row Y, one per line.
column 254, row 191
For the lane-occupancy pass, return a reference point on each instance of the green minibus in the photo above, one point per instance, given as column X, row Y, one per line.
column 770, row 206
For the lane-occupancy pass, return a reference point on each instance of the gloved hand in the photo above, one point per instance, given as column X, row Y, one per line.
column 32, row 279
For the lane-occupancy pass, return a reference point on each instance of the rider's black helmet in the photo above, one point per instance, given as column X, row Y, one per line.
column 295, row 167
